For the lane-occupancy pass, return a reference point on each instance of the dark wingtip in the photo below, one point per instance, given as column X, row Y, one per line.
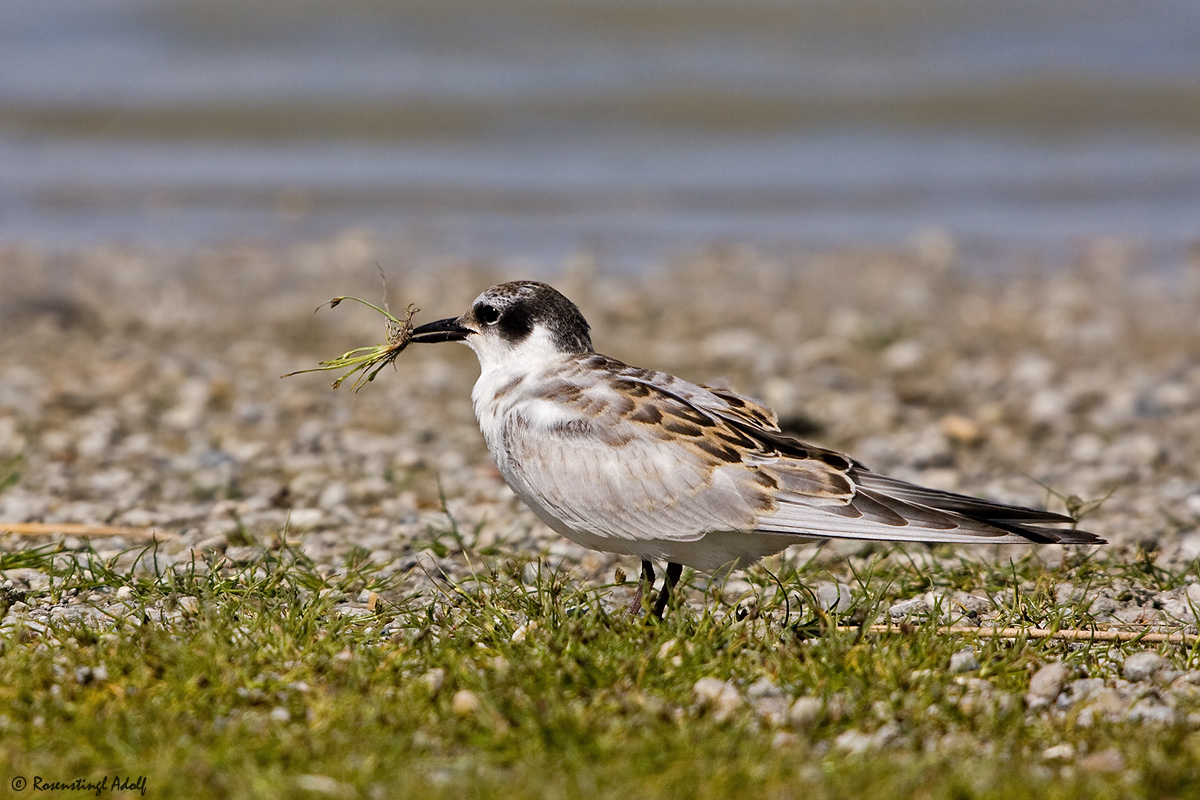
column 1056, row 535
column 1079, row 537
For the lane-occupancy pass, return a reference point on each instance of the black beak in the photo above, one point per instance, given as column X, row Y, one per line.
column 444, row 330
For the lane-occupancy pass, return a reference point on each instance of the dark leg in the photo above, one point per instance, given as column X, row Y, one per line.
column 673, row 572
column 647, row 579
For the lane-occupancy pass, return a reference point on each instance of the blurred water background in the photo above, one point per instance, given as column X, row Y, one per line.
column 633, row 129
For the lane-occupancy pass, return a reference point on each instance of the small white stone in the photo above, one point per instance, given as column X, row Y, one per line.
column 854, row 741
column 1062, row 752
column 434, row 679
column 718, row 696
column 243, row 554
column 805, row 712
column 964, row 661
column 903, row 355
column 323, row 784
column 1108, row 760
column 333, row 495
column 763, row 687
column 913, row 607
column 304, row 518
column 1046, row 685
column 465, row 703
column 1151, row 711
column 833, row 596
column 783, row 739
column 1143, row 666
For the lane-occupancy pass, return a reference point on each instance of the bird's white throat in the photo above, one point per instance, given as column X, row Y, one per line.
column 502, row 366
column 532, row 353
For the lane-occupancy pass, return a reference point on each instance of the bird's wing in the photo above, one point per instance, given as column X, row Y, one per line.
column 889, row 509
column 648, row 455
column 738, row 406
column 632, row 465
column 825, row 493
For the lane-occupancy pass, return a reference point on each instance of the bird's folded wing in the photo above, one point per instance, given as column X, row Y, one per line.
column 715, row 399
column 673, row 460
column 738, row 406
column 620, row 480
column 883, row 508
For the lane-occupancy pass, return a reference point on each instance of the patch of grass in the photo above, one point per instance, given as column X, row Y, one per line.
column 255, row 680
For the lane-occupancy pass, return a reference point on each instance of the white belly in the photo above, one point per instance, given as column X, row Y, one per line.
column 504, row 415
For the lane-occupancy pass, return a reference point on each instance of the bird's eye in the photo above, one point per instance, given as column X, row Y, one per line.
column 486, row 314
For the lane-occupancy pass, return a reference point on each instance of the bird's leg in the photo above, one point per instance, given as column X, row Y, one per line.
column 647, row 579
column 673, row 572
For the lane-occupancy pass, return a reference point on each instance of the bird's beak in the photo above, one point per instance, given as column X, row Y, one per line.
column 444, row 330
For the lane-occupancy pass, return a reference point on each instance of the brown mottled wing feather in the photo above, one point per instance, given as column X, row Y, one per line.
column 738, row 406
column 654, row 456
column 825, row 493
column 890, row 509
column 628, row 474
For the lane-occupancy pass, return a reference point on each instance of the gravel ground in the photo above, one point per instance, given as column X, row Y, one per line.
column 142, row 389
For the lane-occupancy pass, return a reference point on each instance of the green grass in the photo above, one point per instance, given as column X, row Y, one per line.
column 247, row 681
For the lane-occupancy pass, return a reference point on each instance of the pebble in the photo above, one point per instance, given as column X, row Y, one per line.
column 913, row 607
column 855, row 741
column 434, row 680
column 1062, row 752
column 324, row 785
column 243, row 555
column 1046, row 684
column 964, row 661
column 1143, row 666
column 718, row 697
column 1151, row 711
column 465, row 703
column 353, row 612
column 1181, row 604
column 783, row 739
column 961, row 430
column 834, row 596
column 763, row 688
column 1107, row 760
column 805, row 712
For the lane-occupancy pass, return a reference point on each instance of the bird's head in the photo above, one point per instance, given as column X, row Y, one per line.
column 521, row 320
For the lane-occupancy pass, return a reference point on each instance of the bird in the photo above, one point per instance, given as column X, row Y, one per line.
column 641, row 463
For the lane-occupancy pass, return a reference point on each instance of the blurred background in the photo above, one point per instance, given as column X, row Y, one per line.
column 631, row 129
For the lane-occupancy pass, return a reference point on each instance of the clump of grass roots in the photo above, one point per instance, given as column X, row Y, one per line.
column 367, row 361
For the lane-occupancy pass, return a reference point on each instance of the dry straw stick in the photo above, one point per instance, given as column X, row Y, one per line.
column 1070, row 634
column 73, row 529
